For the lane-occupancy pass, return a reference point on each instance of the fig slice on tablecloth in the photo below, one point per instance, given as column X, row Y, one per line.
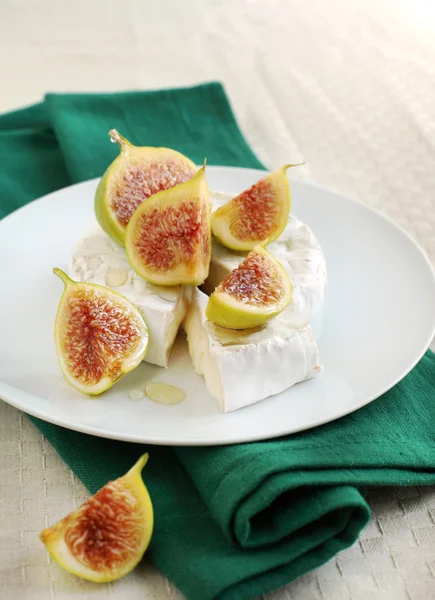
column 256, row 215
column 100, row 336
column 252, row 294
column 106, row 537
column 135, row 175
column 168, row 238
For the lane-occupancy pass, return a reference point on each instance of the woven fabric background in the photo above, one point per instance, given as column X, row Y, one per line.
column 349, row 85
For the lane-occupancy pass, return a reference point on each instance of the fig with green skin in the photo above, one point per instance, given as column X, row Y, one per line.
column 252, row 294
column 168, row 239
column 100, row 336
column 135, row 175
column 106, row 537
column 257, row 214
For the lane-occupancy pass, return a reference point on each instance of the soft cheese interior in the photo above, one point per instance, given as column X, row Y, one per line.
column 299, row 252
column 243, row 367
column 98, row 259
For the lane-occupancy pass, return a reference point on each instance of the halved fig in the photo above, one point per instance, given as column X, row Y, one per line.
column 168, row 239
column 137, row 173
column 106, row 537
column 100, row 336
column 256, row 215
column 255, row 292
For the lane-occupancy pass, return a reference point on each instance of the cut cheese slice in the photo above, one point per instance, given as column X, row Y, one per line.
column 299, row 252
column 245, row 366
column 98, row 259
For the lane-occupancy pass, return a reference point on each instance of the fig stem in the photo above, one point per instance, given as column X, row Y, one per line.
column 62, row 276
column 139, row 465
column 285, row 167
column 122, row 142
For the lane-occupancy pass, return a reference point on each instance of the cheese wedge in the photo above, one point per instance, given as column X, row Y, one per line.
column 245, row 366
column 98, row 259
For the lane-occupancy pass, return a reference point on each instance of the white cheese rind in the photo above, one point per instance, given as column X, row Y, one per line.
column 244, row 367
column 299, row 252
column 163, row 309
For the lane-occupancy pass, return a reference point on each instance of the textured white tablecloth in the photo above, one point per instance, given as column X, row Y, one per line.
column 347, row 85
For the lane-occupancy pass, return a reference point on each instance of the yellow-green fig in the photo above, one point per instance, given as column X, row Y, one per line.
column 168, row 238
column 257, row 214
column 252, row 294
column 135, row 175
column 100, row 336
column 106, row 537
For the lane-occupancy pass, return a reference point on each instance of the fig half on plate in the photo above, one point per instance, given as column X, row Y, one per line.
column 100, row 336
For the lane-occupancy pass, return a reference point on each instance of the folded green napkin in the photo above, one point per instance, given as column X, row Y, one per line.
column 231, row 522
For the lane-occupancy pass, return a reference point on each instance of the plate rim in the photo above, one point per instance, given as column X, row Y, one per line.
column 8, row 392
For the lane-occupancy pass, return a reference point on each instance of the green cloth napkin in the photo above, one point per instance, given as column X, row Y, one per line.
column 231, row 522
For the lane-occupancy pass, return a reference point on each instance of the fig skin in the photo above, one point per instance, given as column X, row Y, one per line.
column 193, row 253
column 272, row 190
column 227, row 311
column 127, row 364
column 130, row 155
column 56, row 537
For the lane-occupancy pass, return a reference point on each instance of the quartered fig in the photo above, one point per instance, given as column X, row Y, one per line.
column 252, row 294
column 256, row 215
column 100, row 336
column 106, row 537
column 168, row 239
column 137, row 173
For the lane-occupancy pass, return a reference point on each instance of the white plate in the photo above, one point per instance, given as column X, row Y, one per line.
column 378, row 320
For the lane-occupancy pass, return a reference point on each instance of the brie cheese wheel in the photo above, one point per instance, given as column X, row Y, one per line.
column 299, row 252
column 98, row 259
column 245, row 366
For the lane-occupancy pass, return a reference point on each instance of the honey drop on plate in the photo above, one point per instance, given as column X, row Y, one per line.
column 136, row 395
column 164, row 393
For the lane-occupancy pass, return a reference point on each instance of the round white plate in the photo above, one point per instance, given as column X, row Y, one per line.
column 377, row 321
